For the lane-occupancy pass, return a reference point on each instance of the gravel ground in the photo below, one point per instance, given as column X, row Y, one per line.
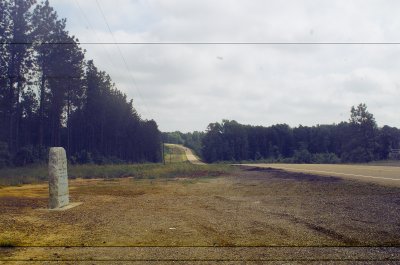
column 254, row 215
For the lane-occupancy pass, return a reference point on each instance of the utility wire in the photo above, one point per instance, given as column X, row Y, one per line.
column 83, row 14
column 123, row 58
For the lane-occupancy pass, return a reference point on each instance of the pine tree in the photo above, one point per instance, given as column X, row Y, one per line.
column 16, row 60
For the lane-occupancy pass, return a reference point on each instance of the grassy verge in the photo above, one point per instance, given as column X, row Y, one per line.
column 7, row 243
column 174, row 154
column 37, row 174
column 23, row 175
column 389, row 163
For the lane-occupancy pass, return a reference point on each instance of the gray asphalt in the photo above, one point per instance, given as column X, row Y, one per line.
column 388, row 175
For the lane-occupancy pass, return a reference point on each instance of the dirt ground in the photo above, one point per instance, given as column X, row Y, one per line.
column 254, row 215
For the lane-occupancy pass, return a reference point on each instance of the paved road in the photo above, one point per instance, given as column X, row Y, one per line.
column 388, row 175
column 379, row 174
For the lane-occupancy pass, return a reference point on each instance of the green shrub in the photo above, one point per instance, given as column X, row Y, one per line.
column 325, row 158
column 6, row 243
column 83, row 157
column 302, row 156
column 258, row 156
column 24, row 156
column 5, row 157
column 358, row 155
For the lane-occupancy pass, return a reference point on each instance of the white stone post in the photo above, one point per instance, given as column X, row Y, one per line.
column 58, row 178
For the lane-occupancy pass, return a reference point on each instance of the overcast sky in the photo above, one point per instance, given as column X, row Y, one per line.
column 186, row 87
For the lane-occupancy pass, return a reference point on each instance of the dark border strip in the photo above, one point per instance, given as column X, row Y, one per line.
column 202, row 43
column 204, row 246
column 196, row 260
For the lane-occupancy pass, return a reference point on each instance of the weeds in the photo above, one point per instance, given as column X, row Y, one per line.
column 6, row 243
column 38, row 174
column 174, row 154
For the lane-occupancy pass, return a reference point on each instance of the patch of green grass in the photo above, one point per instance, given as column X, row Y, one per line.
column 390, row 163
column 23, row 175
column 176, row 166
column 7, row 243
column 174, row 154
column 38, row 174
column 187, row 182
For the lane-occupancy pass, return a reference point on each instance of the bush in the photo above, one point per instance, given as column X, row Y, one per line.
column 99, row 159
column 102, row 160
column 302, row 156
column 358, row 155
column 325, row 158
column 258, row 156
column 114, row 160
column 305, row 157
column 83, row 157
column 6, row 243
column 24, row 157
column 5, row 157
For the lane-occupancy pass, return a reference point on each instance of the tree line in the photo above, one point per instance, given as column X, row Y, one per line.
column 357, row 140
column 51, row 96
column 192, row 140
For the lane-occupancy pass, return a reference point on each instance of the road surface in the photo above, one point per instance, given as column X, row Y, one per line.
column 388, row 175
column 192, row 158
column 379, row 174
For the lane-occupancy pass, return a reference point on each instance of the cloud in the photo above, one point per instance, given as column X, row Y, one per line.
column 185, row 87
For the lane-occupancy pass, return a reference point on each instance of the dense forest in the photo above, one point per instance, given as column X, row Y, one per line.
column 51, row 96
column 358, row 140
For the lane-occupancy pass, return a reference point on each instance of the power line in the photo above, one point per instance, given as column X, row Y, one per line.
column 122, row 56
column 94, row 32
